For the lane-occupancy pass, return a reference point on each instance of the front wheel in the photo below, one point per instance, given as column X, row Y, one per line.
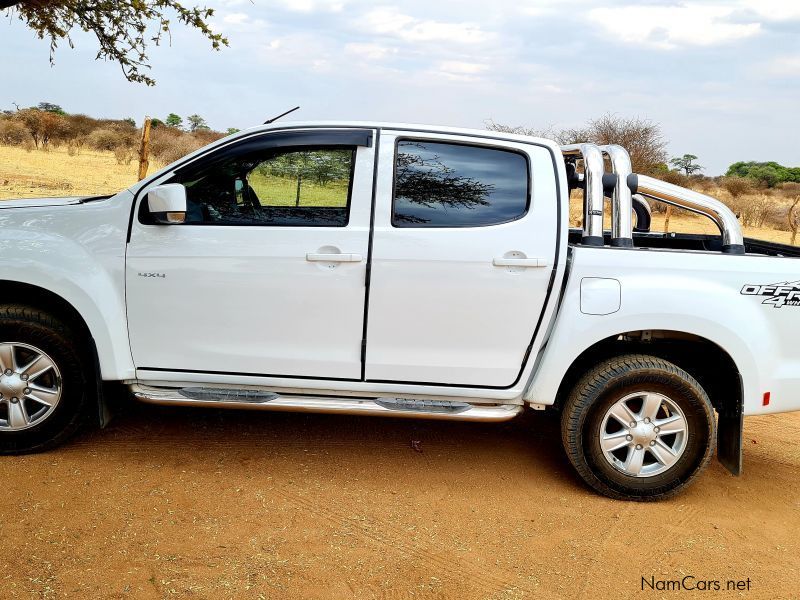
column 44, row 393
column 637, row 427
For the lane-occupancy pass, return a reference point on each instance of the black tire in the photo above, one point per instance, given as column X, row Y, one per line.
column 606, row 384
column 26, row 325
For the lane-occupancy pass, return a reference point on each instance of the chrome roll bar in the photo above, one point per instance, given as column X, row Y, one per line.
column 626, row 187
column 621, row 203
column 593, row 171
column 644, row 215
column 732, row 238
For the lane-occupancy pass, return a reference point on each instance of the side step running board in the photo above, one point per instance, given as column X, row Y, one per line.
column 266, row 400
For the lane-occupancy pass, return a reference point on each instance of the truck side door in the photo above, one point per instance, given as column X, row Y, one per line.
column 465, row 241
column 266, row 277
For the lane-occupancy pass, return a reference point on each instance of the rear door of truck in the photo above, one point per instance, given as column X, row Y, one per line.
column 464, row 242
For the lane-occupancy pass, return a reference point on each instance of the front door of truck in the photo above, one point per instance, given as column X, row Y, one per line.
column 464, row 247
column 266, row 277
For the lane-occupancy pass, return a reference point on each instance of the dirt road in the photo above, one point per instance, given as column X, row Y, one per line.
column 167, row 503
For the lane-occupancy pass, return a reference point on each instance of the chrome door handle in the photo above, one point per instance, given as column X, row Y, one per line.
column 311, row 256
column 519, row 262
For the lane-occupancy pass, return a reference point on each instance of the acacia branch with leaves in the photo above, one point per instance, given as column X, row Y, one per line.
column 123, row 29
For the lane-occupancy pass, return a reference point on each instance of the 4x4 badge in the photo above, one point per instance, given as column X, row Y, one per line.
column 777, row 294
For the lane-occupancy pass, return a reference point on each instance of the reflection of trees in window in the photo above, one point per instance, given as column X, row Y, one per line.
column 319, row 166
column 428, row 182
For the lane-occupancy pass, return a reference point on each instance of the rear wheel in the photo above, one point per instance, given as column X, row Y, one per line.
column 43, row 380
column 638, row 427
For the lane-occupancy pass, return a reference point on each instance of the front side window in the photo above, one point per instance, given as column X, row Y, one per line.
column 301, row 187
column 455, row 185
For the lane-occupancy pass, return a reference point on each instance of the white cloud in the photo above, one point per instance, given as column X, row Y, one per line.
column 235, row 19
column 461, row 70
column 369, row 51
column 308, row 6
column 783, row 66
column 669, row 27
column 391, row 22
column 774, row 10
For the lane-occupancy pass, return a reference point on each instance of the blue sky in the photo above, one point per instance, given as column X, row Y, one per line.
column 722, row 77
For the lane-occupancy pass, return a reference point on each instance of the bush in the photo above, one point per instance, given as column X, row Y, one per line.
column 754, row 210
column 14, row 133
column 790, row 190
column 104, row 140
column 674, row 177
column 737, row 186
column 124, row 155
column 109, row 139
column 170, row 149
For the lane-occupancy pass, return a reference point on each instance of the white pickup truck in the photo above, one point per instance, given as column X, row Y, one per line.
column 401, row 270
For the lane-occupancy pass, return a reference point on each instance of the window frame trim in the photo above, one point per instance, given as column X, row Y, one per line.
column 500, row 148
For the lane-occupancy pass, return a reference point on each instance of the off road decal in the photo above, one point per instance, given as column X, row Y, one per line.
column 777, row 295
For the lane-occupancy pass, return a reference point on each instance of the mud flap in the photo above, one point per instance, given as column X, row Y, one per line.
column 729, row 435
column 103, row 412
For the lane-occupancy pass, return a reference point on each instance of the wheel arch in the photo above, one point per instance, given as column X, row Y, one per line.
column 40, row 298
column 705, row 360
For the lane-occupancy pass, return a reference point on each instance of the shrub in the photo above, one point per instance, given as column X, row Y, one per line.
column 170, row 149
column 124, row 155
column 104, row 140
column 14, row 133
column 109, row 139
column 674, row 177
column 752, row 210
column 737, row 186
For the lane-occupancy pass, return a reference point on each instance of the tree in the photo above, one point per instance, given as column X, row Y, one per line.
column 123, row 28
column 155, row 122
column 174, row 120
column 51, row 108
column 641, row 137
column 686, row 164
column 43, row 126
column 197, row 123
column 232, row 130
column 765, row 173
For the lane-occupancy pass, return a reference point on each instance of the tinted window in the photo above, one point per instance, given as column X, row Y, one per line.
column 451, row 185
column 300, row 187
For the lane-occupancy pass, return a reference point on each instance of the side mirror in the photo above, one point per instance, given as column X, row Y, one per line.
column 167, row 204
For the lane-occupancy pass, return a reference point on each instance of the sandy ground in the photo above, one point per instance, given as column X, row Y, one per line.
column 170, row 503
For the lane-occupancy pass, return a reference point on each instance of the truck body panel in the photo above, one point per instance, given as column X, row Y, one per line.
column 694, row 292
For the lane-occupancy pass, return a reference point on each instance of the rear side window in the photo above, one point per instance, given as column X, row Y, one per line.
column 455, row 185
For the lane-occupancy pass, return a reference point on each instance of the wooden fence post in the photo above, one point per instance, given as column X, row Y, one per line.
column 144, row 149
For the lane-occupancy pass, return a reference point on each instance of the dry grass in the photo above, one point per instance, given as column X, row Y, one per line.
column 55, row 173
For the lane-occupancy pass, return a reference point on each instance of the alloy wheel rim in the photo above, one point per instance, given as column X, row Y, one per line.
column 643, row 434
column 30, row 386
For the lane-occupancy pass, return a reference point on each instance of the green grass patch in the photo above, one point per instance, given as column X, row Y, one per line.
column 282, row 191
